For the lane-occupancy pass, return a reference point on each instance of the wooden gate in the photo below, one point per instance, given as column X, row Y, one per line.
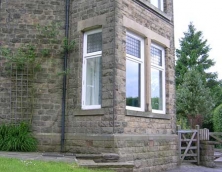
column 189, row 145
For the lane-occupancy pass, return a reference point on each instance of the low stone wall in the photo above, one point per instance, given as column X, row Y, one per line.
column 154, row 153
column 150, row 153
column 207, row 154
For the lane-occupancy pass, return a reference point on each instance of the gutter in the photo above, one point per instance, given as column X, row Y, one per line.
column 67, row 7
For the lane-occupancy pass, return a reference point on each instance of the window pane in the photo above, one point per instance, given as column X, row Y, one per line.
column 132, row 84
column 156, row 56
column 132, row 46
column 155, row 3
column 93, row 84
column 94, row 42
column 156, row 89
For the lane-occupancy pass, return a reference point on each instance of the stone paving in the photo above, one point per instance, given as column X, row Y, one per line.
column 195, row 168
column 40, row 156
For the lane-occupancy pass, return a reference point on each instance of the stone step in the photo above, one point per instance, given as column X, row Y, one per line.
column 104, row 157
column 217, row 154
column 218, row 162
column 116, row 166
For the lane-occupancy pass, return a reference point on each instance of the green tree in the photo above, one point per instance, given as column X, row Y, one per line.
column 193, row 98
column 193, row 54
column 217, row 119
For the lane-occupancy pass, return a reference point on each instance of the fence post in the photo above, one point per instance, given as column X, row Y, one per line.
column 179, row 143
column 198, row 144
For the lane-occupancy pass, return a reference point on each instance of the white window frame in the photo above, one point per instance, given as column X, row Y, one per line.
column 160, row 68
column 141, row 62
column 85, row 57
column 160, row 4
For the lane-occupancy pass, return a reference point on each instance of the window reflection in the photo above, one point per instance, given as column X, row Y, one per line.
column 132, row 83
column 156, row 89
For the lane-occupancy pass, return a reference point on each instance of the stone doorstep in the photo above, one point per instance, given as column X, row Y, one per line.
column 218, row 160
column 52, row 154
column 113, row 165
column 89, row 156
column 103, row 157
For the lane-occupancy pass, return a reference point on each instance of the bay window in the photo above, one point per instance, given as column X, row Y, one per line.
column 135, row 77
column 91, row 79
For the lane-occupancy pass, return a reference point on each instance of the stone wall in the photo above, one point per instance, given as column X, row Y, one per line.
column 143, row 137
column 137, row 14
column 18, row 21
column 207, row 154
column 149, row 152
column 86, row 15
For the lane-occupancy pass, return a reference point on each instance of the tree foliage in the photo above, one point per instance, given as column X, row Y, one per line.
column 193, row 54
column 193, row 98
column 217, row 119
column 198, row 90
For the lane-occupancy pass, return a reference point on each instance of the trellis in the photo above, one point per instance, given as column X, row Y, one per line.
column 21, row 95
column 21, row 88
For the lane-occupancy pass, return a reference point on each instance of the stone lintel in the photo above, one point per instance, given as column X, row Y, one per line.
column 147, row 33
column 92, row 23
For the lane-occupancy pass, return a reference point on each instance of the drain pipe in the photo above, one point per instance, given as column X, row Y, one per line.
column 64, row 79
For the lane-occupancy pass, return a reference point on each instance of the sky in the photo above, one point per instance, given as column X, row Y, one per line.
column 206, row 17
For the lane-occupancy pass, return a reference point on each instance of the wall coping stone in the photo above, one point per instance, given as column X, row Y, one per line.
column 148, row 114
column 112, row 137
column 145, row 137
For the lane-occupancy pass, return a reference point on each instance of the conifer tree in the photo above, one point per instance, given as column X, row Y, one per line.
column 193, row 53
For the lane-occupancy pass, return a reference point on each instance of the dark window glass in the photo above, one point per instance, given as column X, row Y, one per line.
column 94, row 42
column 156, row 56
column 132, row 46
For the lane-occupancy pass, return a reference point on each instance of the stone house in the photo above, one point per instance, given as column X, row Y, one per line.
column 120, row 91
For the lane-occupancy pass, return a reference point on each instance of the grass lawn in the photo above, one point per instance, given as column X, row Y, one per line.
column 16, row 165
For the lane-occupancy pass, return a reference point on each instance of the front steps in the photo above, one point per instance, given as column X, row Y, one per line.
column 218, row 158
column 104, row 161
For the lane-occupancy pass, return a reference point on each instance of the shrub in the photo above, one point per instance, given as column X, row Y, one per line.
column 17, row 138
column 183, row 122
column 217, row 119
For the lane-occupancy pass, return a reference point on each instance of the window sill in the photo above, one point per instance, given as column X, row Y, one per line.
column 148, row 115
column 89, row 112
column 153, row 8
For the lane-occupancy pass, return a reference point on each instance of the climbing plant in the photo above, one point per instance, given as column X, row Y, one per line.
column 23, row 63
